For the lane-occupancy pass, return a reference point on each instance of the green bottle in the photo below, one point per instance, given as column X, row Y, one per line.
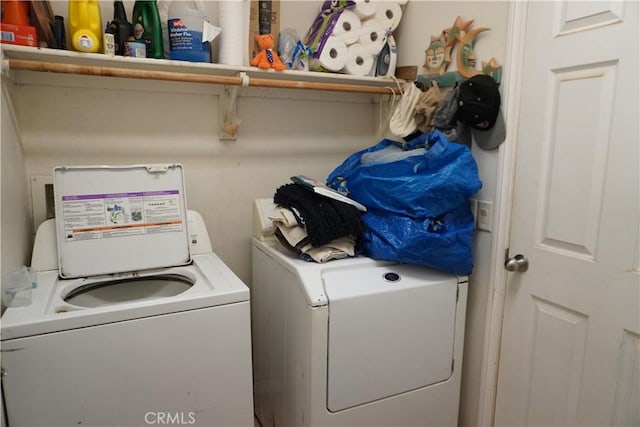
column 147, row 27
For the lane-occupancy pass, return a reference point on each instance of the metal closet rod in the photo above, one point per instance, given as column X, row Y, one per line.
column 92, row 70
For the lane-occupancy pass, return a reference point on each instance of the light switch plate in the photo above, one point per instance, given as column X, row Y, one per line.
column 484, row 219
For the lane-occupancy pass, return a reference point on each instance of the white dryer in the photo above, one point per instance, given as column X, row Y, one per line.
column 354, row 341
column 134, row 320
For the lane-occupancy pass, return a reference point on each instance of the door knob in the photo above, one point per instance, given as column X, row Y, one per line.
column 518, row 263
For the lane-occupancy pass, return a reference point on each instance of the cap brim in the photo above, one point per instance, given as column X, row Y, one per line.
column 492, row 138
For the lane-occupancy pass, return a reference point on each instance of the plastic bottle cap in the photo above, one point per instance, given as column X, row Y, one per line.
column 85, row 41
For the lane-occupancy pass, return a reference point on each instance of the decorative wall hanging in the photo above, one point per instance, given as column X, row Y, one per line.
column 438, row 56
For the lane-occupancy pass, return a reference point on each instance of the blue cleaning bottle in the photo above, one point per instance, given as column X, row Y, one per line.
column 185, row 26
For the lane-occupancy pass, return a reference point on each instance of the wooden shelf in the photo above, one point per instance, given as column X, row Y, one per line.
column 21, row 58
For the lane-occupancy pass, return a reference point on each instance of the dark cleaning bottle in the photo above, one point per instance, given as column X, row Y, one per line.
column 120, row 27
column 59, row 33
column 147, row 27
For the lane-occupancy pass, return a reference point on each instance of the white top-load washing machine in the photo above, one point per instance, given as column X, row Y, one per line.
column 133, row 320
column 353, row 341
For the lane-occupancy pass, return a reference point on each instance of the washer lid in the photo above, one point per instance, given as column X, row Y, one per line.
column 112, row 219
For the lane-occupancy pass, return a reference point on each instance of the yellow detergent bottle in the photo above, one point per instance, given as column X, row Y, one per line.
column 85, row 25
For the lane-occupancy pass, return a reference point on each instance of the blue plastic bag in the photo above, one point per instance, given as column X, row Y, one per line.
column 418, row 208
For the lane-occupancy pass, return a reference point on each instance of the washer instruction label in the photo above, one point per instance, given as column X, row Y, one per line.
column 101, row 216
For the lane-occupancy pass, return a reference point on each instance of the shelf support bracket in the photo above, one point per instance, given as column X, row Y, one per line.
column 228, row 110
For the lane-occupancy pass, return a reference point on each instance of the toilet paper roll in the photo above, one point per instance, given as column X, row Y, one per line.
column 365, row 8
column 373, row 35
column 347, row 27
column 390, row 14
column 333, row 56
column 359, row 60
column 233, row 18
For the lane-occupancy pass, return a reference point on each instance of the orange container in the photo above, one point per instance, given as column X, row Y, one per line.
column 24, row 35
column 15, row 12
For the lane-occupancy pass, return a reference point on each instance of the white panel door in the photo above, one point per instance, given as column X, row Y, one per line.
column 570, row 352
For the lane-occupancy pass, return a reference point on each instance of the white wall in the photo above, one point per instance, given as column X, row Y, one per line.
column 79, row 120
column 277, row 138
column 15, row 214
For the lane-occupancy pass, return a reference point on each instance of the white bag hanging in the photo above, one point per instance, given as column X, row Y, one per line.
column 402, row 122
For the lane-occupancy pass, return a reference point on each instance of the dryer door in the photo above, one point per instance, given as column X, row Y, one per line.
column 391, row 330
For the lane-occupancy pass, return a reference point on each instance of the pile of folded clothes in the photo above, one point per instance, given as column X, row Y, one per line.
column 315, row 227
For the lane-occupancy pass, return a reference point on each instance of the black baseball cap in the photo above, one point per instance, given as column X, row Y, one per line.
column 479, row 108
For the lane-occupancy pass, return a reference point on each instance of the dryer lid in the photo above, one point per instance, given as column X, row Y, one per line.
column 112, row 219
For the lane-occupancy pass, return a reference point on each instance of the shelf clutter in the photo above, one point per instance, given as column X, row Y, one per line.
column 22, row 58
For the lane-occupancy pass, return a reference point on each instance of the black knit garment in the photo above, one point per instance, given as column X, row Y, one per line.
column 325, row 219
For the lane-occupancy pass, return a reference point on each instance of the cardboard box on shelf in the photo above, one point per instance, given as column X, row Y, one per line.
column 255, row 24
column 24, row 35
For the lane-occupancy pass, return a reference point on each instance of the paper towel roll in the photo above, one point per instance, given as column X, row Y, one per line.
column 334, row 55
column 359, row 60
column 233, row 18
column 365, row 8
column 390, row 14
column 347, row 27
column 373, row 35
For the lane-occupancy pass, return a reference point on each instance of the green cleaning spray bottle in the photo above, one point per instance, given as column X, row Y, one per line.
column 147, row 27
